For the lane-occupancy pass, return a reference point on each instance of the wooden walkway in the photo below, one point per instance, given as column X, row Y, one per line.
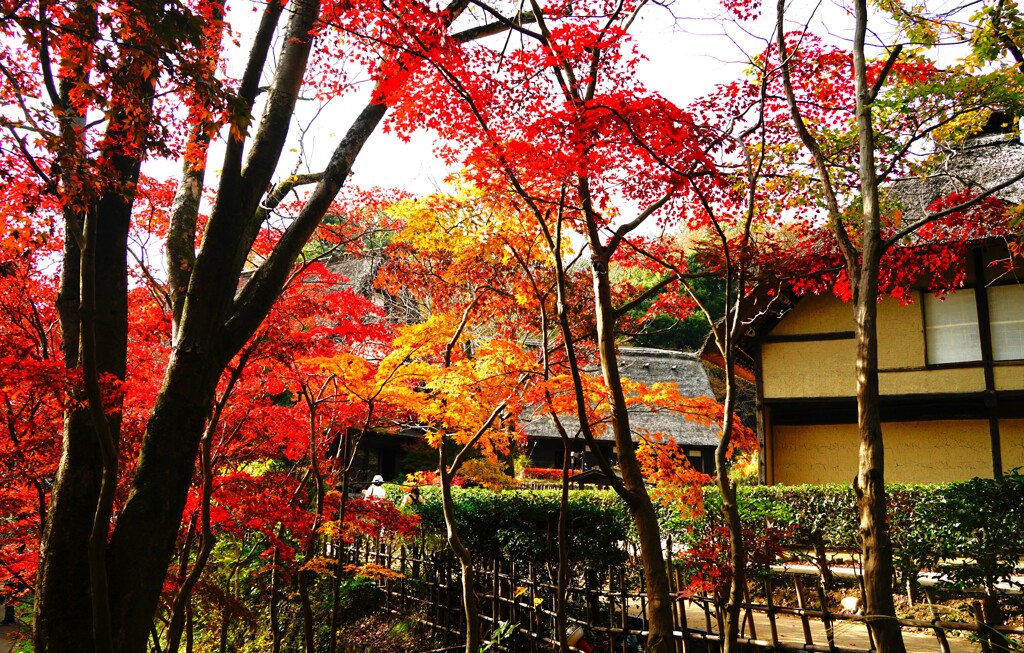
column 848, row 634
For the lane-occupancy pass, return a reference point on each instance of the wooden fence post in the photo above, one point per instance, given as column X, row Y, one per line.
column 982, row 630
column 495, row 592
column 940, row 633
column 771, row 613
column 749, row 610
column 403, row 583
column 826, row 618
column 590, row 587
column 800, row 603
column 624, row 598
column 683, row 625
column 534, row 614
column 611, row 598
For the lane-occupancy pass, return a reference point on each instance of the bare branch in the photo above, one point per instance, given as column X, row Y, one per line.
column 884, row 74
column 501, row 24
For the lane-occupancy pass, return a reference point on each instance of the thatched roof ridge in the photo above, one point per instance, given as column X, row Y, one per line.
column 361, row 274
column 979, row 163
column 360, row 271
column 649, row 366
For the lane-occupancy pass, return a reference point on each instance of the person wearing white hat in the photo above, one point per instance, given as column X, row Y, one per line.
column 376, row 490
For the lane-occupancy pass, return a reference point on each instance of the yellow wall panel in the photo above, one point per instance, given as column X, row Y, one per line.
column 937, row 452
column 915, row 452
column 1011, row 436
column 958, row 379
column 1009, row 377
column 823, row 368
column 900, row 335
column 814, row 454
column 816, row 314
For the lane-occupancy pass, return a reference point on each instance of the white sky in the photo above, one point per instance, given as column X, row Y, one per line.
column 689, row 47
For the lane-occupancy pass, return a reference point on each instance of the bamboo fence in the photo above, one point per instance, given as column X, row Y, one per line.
column 612, row 603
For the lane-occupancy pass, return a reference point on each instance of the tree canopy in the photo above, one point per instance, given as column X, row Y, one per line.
column 158, row 415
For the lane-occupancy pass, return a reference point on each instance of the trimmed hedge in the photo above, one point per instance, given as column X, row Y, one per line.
column 972, row 530
column 522, row 526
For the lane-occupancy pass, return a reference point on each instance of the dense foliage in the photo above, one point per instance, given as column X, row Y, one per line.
column 670, row 330
column 934, row 527
column 521, row 526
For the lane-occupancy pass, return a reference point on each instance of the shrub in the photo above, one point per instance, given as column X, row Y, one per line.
column 974, row 528
column 488, row 473
column 543, row 473
column 429, row 477
column 970, row 530
column 522, row 526
column 932, row 526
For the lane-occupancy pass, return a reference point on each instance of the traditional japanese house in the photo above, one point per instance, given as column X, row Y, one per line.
column 951, row 368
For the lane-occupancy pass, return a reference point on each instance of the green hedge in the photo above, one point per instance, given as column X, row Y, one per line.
column 522, row 526
column 972, row 530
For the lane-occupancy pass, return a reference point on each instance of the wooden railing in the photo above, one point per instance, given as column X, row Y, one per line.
column 612, row 603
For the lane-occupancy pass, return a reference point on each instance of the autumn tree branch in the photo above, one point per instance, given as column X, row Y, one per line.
column 963, row 206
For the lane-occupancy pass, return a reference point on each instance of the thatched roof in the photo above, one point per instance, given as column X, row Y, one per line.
column 361, row 273
column 649, row 366
column 359, row 270
column 979, row 163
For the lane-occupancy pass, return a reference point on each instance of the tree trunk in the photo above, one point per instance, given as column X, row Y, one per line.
column 632, row 489
column 223, row 647
column 308, row 635
column 143, row 541
column 182, row 602
column 659, row 602
column 63, row 614
column 465, row 558
column 275, row 601
column 876, row 548
column 63, row 608
column 737, row 559
column 726, row 486
column 339, row 553
column 563, row 540
column 189, row 627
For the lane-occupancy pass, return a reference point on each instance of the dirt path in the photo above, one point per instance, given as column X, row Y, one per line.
column 7, row 638
column 848, row 633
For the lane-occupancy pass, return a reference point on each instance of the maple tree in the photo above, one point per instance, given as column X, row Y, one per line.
column 590, row 135
column 895, row 102
column 466, row 365
column 111, row 79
